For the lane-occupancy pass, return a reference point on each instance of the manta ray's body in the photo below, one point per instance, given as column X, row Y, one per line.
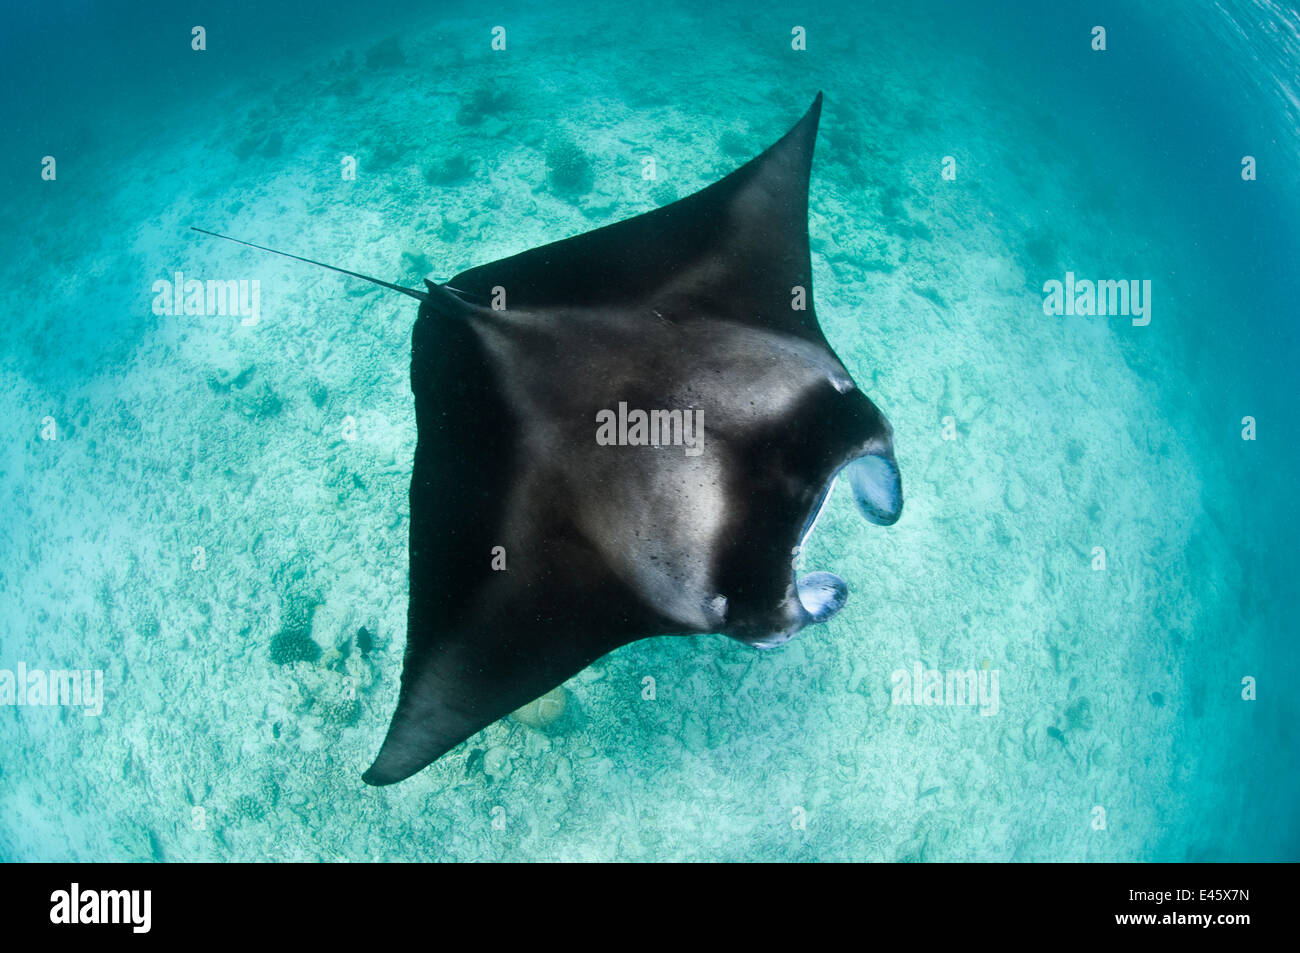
column 536, row 548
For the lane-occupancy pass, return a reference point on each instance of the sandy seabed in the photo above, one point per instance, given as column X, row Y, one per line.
column 190, row 432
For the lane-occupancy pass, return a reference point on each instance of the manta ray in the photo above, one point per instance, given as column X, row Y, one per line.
column 543, row 535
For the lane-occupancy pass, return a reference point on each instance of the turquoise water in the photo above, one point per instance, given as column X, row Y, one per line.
column 200, row 515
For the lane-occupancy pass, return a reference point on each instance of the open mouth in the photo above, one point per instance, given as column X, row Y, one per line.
column 878, row 493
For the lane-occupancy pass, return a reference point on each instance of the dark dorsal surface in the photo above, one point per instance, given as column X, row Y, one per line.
column 746, row 232
column 689, row 308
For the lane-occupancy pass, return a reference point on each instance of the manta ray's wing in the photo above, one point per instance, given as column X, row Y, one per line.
column 738, row 247
column 506, row 600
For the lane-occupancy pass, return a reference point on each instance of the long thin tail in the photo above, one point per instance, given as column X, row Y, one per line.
column 418, row 295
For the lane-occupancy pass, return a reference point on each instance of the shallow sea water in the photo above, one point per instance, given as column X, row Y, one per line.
column 1027, row 442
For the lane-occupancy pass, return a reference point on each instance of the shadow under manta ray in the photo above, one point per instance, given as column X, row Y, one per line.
column 703, row 305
